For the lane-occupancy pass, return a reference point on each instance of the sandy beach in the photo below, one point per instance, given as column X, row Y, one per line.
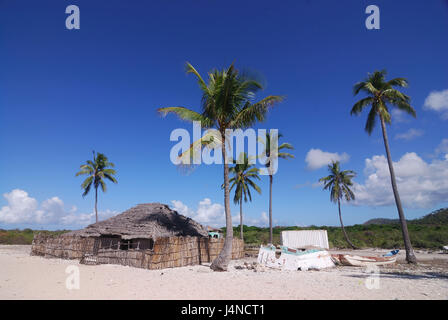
column 28, row 277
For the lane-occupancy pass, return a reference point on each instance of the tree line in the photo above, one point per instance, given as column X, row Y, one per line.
column 228, row 102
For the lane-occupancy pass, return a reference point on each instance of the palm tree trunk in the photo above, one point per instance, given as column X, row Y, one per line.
column 221, row 262
column 410, row 256
column 342, row 226
column 270, row 209
column 241, row 219
column 96, row 204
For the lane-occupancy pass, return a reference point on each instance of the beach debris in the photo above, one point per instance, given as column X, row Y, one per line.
column 89, row 259
column 294, row 259
column 391, row 253
column 251, row 266
column 259, row 268
column 254, row 266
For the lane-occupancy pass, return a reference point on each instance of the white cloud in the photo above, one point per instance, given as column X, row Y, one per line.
column 182, row 208
column 438, row 101
column 409, row 135
column 264, row 217
column 23, row 209
column 316, row 158
column 442, row 148
column 262, row 221
column 302, row 185
column 420, row 184
column 20, row 207
column 207, row 213
column 213, row 214
column 400, row 116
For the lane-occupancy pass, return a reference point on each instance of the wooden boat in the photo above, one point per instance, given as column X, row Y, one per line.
column 361, row 261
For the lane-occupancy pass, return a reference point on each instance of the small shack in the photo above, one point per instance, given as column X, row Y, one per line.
column 150, row 236
column 214, row 232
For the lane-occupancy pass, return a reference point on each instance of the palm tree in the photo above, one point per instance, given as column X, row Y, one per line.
column 227, row 103
column 97, row 170
column 271, row 152
column 339, row 183
column 380, row 95
column 243, row 173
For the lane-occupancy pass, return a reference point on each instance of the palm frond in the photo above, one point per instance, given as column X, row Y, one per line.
column 371, row 121
column 254, row 112
column 360, row 105
column 186, row 114
column 398, row 82
column 190, row 69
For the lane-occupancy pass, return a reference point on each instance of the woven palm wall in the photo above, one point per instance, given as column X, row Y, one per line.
column 168, row 252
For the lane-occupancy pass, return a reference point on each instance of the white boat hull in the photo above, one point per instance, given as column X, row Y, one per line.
column 314, row 260
column 361, row 261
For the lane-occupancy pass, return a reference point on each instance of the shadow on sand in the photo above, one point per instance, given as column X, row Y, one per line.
column 404, row 275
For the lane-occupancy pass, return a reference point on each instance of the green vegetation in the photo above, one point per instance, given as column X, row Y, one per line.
column 429, row 232
column 363, row 236
column 25, row 236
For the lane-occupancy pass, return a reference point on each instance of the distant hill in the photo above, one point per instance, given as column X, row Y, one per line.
column 381, row 221
column 438, row 217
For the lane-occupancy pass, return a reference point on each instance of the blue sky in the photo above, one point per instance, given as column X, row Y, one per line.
column 65, row 92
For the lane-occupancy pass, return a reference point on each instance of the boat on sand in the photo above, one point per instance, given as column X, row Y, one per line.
column 293, row 259
column 362, row 261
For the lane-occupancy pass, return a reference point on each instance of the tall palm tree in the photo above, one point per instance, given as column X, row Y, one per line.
column 339, row 183
column 227, row 103
column 271, row 152
column 381, row 95
column 243, row 174
column 97, row 171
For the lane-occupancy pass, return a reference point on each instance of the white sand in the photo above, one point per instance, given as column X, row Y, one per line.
column 25, row 277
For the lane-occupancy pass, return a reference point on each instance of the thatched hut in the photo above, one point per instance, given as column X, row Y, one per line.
column 150, row 236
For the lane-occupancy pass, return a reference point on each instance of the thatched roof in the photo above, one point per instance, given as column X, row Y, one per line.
column 149, row 220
